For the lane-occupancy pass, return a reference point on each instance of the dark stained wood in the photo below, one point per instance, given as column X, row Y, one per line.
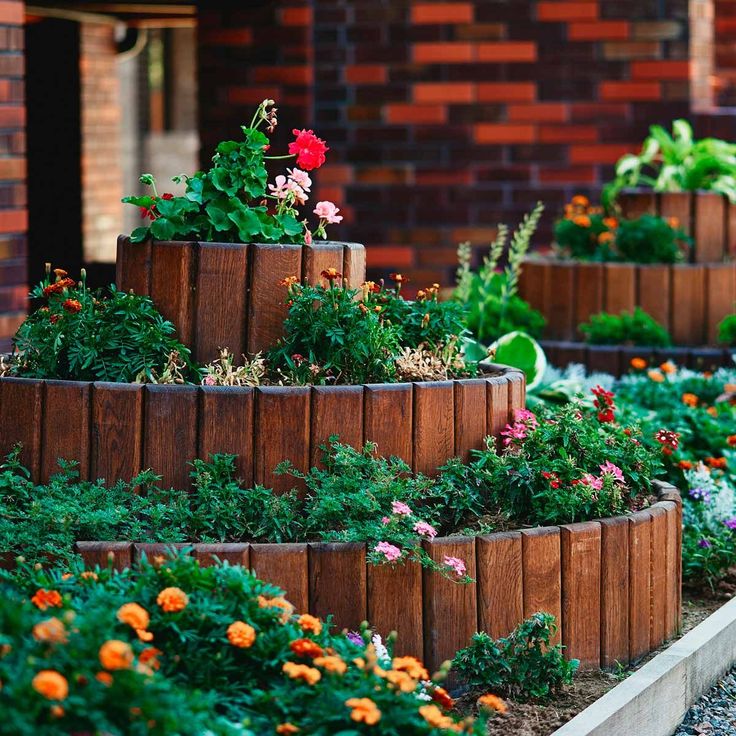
column 731, row 251
column 336, row 410
column 706, row 359
column 222, row 292
column 433, row 425
column 517, row 391
column 387, row 418
column 267, row 305
column 619, row 287
column 500, row 586
column 542, row 573
column 532, row 283
column 654, row 292
column 588, row 293
column 688, row 304
column 604, row 359
column 353, row 267
column 672, row 578
column 102, row 554
column 285, row 566
column 658, row 565
column 172, row 285
column 571, row 352
column 720, row 297
column 21, row 401
column 66, row 420
column 640, row 525
column 395, row 604
column 635, row 203
column 450, row 609
column 226, row 417
column 628, row 353
column 337, row 583
column 170, row 426
column 318, row 258
column 133, row 269
column 233, row 554
column 679, row 356
column 710, row 227
column 497, row 405
column 581, row 592
column 117, row 431
column 677, row 205
column 282, row 433
column 614, row 591
column 559, row 304
column 470, row 415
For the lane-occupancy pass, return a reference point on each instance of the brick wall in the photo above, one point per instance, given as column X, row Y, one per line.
column 725, row 51
column 446, row 117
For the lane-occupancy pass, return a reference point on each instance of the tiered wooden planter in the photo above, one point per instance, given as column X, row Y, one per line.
column 227, row 295
column 114, row 430
column 613, row 584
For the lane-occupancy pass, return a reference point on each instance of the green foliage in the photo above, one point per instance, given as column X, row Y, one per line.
column 677, row 163
column 520, row 351
column 522, row 665
column 626, row 328
column 86, row 336
column 489, row 295
column 727, row 330
column 650, row 239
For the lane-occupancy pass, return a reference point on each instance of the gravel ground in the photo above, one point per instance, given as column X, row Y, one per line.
column 715, row 713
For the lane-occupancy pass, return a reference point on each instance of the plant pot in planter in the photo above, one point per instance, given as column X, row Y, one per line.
column 114, row 430
column 227, row 295
column 613, row 584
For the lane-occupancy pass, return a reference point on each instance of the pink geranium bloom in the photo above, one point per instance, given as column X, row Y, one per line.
column 390, row 552
column 400, row 508
column 608, row 468
column 425, row 529
column 279, row 189
column 526, row 416
column 327, row 211
column 591, row 480
column 301, row 178
column 515, row 431
column 455, row 564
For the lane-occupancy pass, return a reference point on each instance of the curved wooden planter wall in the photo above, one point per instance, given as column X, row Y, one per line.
column 114, row 430
column 689, row 299
column 613, row 584
column 227, row 295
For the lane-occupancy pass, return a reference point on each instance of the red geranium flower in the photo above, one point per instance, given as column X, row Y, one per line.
column 309, row 150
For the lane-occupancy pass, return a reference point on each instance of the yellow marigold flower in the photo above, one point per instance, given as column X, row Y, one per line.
column 580, row 200
column 310, row 675
column 581, row 220
column 172, row 600
column 492, row 701
column 401, row 680
column 51, row 684
column 286, row 728
column 310, row 623
column 689, row 399
column 610, row 222
column 435, row 717
column 44, row 599
column 332, row 663
column 134, row 615
column 668, row 367
column 638, row 364
column 412, row 666
column 606, row 237
column 241, row 635
column 364, row 710
column 116, row 655
column 51, row 630
column 655, row 376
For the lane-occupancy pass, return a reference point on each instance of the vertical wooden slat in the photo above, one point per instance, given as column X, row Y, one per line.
column 500, row 584
column 470, row 415
column 282, row 433
column 318, row 258
column 450, row 609
column 226, row 417
column 671, row 567
column 619, row 287
column 395, row 604
column 571, row 352
column 235, row 554
column 337, row 583
column 117, row 431
column 172, row 285
column 497, row 405
column 635, row 203
column 720, row 296
column 66, row 427
column 588, row 292
column 542, row 573
column 581, row 592
column 559, row 301
column 21, row 415
column 678, row 205
column 658, row 565
column 731, row 230
column 517, row 391
column 532, row 282
column 353, row 266
column 222, row 286
column 387, row 419
column 101, row 554
column 267, row 305
column 434, row 425
column 688, row 304
column 286, row 566
column 640, row 525
column 604, row 359
column 170, row 432
column 654, row 293
column 628, row 353
column 133, row 268
column 336, row 410
column 614, row 591
column 709, row 230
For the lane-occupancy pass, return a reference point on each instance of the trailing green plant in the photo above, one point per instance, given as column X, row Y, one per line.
column 523, row 665
column 626, row 328
column 489, row 295
column 677, row 163
column 727, row 330
column 83, row 335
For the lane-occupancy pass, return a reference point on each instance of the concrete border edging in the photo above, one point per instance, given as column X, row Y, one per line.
column 653, row 700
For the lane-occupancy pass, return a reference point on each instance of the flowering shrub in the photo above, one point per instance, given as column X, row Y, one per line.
column 175, row 648
column 727, row 330
column 232, row 201
column 626, row 328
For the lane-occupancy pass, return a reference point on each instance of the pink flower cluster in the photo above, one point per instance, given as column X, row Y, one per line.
column 524, row 422
column 389, row 551
column 327, row 213
column 608, row 468
column 296, row 186
column 455, row 564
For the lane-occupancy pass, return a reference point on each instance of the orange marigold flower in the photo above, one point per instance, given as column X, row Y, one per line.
column 331, row 663
column 134, row 615
column 581, row 220
column 88, row 575
column 606, row 238
column 716, row 462
column 673, row 222
column 116, row 655
column 441, row 696
column 51, row 630
column 331, row 274
column 289, row 281
column 144, row 635
column 492, row 701
column 712, row 411
column 399, row 278
column 44, row 599
column 310, row 623
column 689, row 399
column 241, row 635
column 51, row 684
column 310, row 675
column 364, row 710
column 411, row 665
column 67, row 576
column 401, row 680
column 668, row 367
column 286, row 728
column 435, row 717
column 731, row 439
column 104, row 677
column 655, row 376
column 280, row 603
column 172, row 600
column 638, row 364
column 60, row 273
column 729, row 388
column 149, row 656
column 306, row 648
column 579, row 200
column 57, row 711
column 72, row 306
column 370, row 287
column 610, row 222
column 684, row 465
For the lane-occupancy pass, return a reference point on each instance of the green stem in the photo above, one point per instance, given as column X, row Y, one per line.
column 275, row 158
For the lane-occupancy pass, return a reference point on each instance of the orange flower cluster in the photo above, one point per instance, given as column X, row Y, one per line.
column 310, row 623
column 137, row 618
column 172, row 600
column 241, row 635
column 281, row 603
column 286, row 728
column 51, row 684
column 437, row 719
column 116, row 655
column 638, row 364
column 306, row 648
column 331, row 663
column 364, row 710
column 412, row 666
column 718, row 463
column 310, row 675
column 51, row 630
column 493, row 702
column 44, row 599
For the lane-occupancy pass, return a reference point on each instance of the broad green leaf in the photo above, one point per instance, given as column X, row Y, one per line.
column 521, row 351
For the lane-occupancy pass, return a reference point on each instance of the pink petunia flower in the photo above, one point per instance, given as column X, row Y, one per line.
column 327, row 211
column 455, row 564
column 425, row 529
column 400, row 508
column 527, row 417
column 513, row 432
column 389, row 551
column 591, row 480
column 608, row 468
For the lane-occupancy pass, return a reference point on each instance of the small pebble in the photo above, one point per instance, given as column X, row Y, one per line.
column 715, row 713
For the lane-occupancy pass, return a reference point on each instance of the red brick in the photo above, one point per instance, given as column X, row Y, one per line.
column 283, row 74
column 452, row 177
column 602, row 30
column 451, row 13
column 507, row 51
column 383, row 175
column 664, row 69
column 444, row 92
column 568, row 134
column 366, row 74
column 300, row 16
column 12, row 168
column 500, row 133
column 383, row 256
column 415, row 114
column 252, row 95
column 600, row 153
column 13, row 221
column 507, row 92
column 562, row 11
column 448, row 52
column 228, row 36
column 549, row 112
column 12, row 117
column 630, row 91
column 570, row 175
column 12, row 13
column 595, row 111
column 625, row 50
column 336, row 174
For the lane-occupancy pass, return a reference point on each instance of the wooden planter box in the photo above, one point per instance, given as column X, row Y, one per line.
column 709, row 218
column 227, row 295
column 613, row 584
column 115, row 429
column 688, row 299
